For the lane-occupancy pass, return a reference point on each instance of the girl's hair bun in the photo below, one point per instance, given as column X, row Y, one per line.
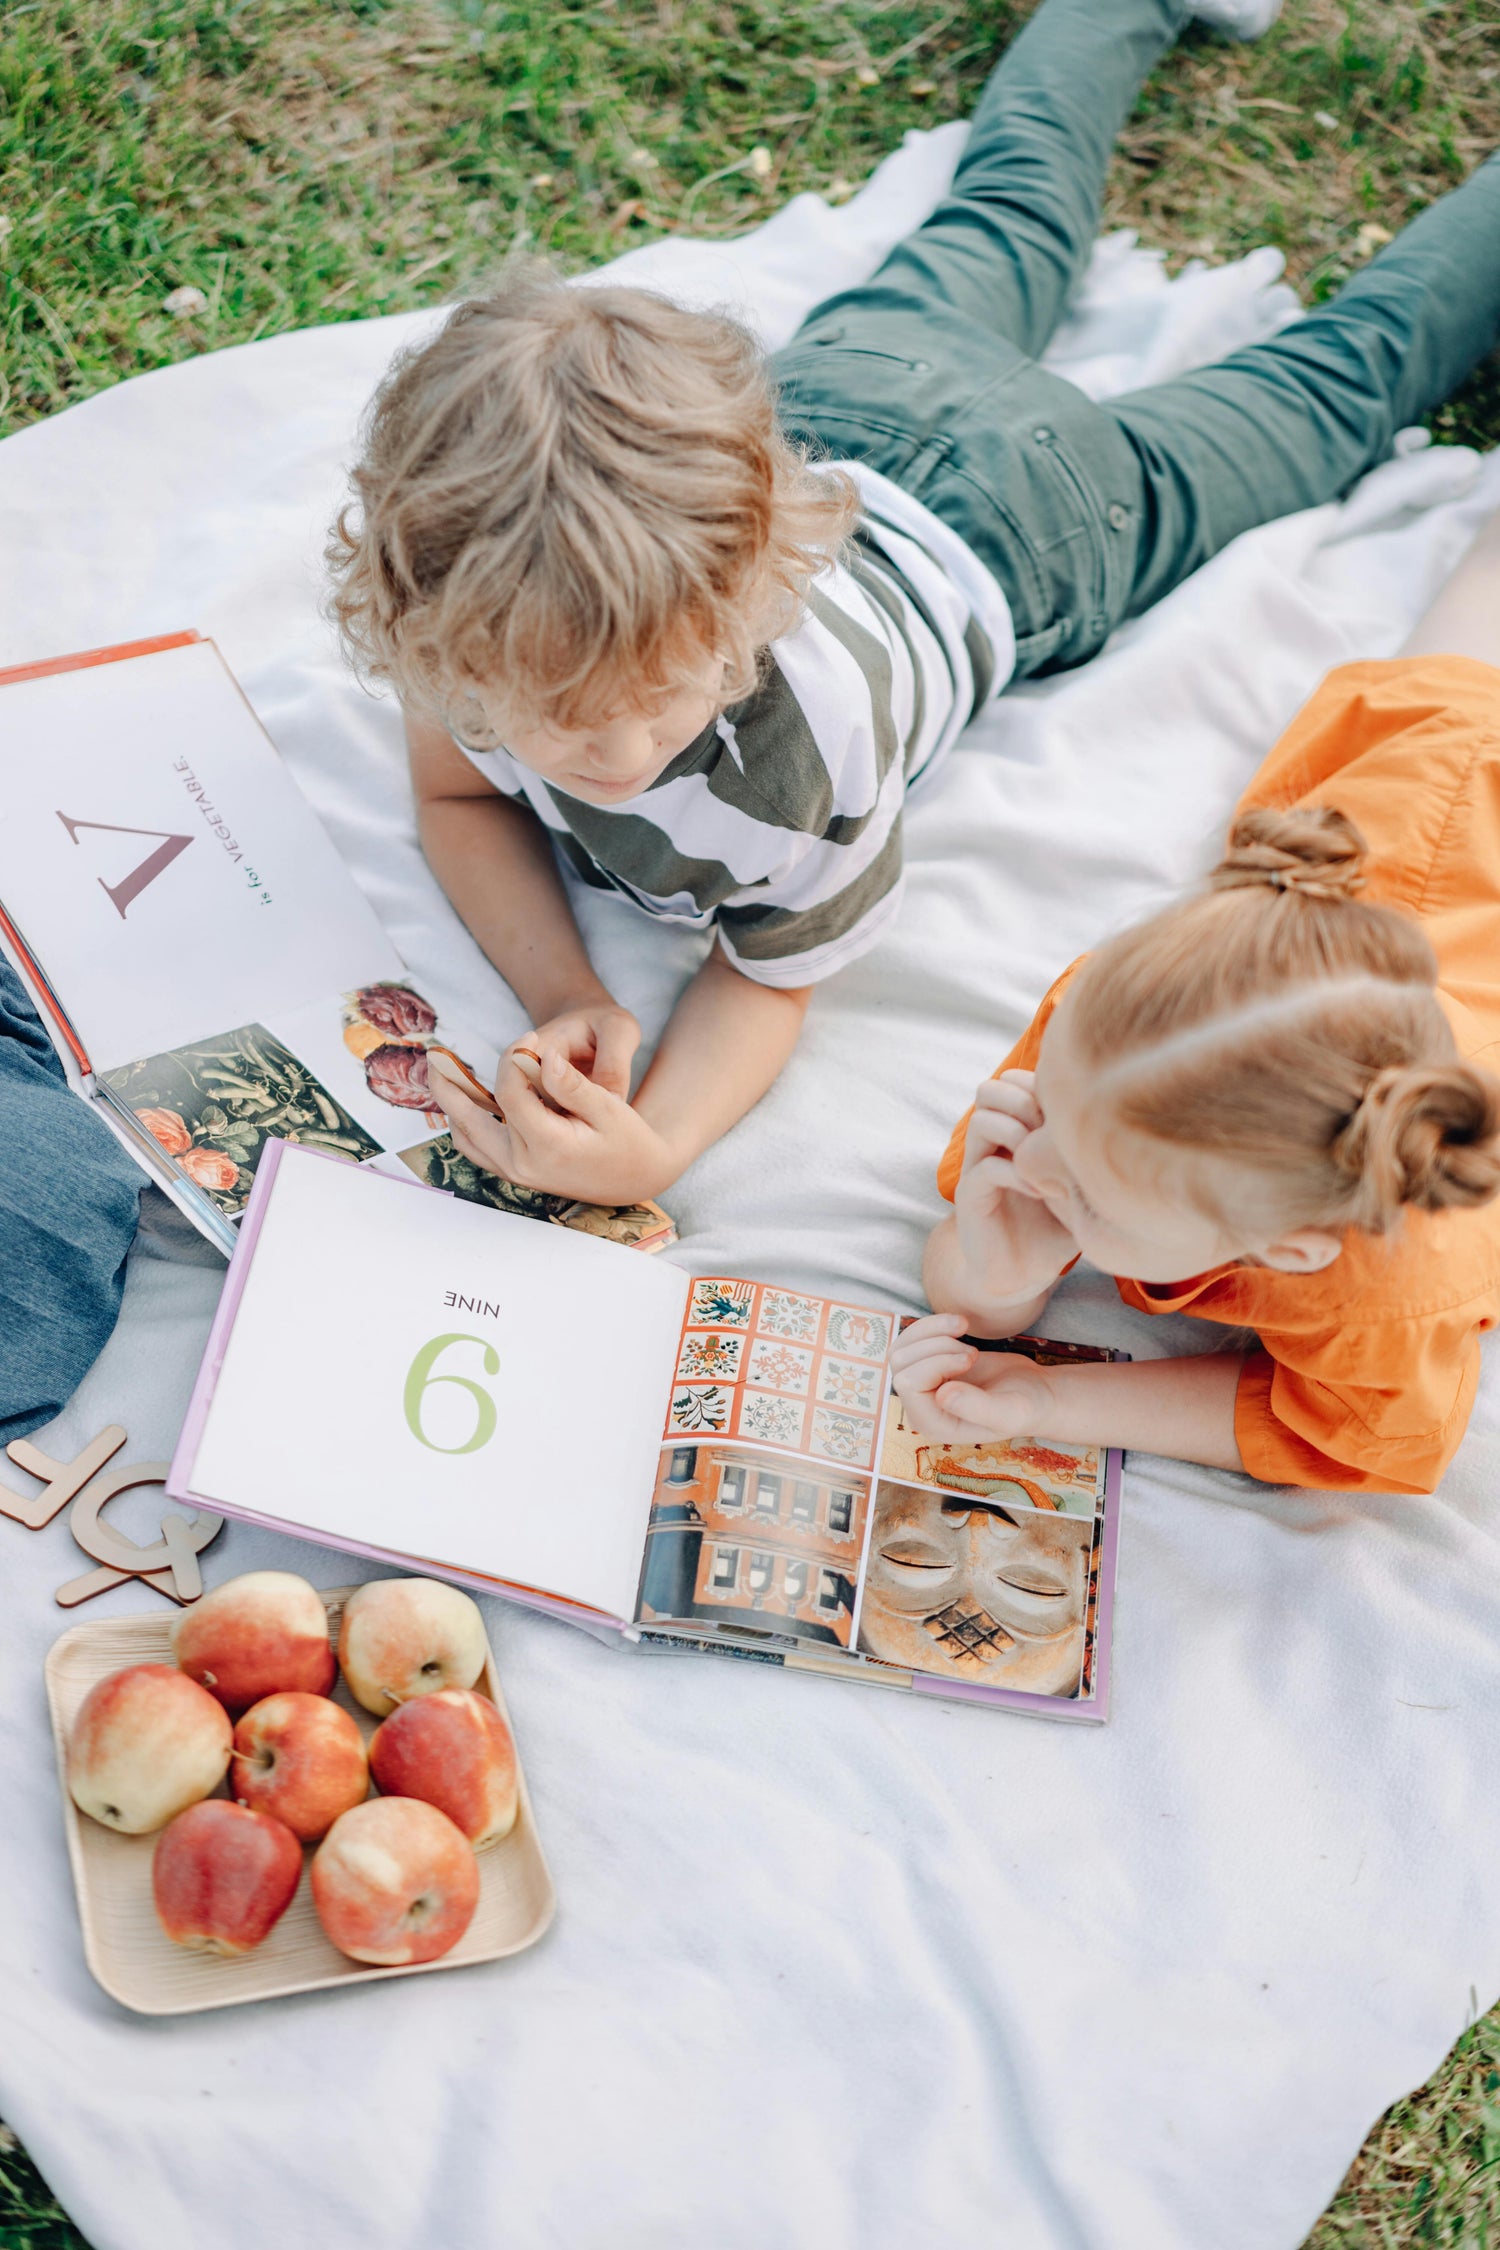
column 1314, row 850
column 1426, row 1137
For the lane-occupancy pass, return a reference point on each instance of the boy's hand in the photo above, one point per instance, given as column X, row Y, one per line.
column 560, row 1132
column 960, row 1396
column 599, row 1039
column 1009, row 1239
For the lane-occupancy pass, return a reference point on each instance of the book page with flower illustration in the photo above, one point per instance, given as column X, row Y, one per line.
column 206, row 965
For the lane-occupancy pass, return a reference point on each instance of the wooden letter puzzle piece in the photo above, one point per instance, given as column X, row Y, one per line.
column 171, row 1566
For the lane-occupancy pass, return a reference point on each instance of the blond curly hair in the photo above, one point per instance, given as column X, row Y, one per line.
column 573, row 497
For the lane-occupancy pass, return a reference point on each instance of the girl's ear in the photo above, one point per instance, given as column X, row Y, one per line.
column 1304, row 1250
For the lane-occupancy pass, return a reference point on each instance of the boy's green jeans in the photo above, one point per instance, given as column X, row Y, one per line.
column 1088, row 512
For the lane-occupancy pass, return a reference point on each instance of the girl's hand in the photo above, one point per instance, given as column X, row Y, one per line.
column 960, row 1396
column 1009, row 1239
column 560, row 1131
column 598, row 1038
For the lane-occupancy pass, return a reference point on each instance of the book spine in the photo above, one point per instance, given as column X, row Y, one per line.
column 84, row 660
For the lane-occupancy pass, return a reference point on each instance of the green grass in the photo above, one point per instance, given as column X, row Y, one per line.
column 30, row 2218
column 296, row 161
column 305, row 160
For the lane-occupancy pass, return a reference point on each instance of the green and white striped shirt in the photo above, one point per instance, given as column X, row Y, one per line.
column 780, row 826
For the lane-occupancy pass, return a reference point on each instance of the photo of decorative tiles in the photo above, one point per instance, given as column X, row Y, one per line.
column 780, row 1368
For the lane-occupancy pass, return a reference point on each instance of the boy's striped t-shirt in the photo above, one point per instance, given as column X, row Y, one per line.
column 780, row 826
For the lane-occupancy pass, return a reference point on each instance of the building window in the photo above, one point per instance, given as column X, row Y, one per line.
column 830, row 1594
column 841, row 1513
column 732, row 1486
column 684, row 1469
column 726, row 1568
column 804, row 1502
column 794, row 1580
column 762, row 1571
column 767, row 1494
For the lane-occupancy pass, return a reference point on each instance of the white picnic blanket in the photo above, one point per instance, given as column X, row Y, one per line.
column 832, row 1970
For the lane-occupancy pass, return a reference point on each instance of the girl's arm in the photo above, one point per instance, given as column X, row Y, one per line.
column 958, row 1395
column 952, row 1285
column 999, row 1257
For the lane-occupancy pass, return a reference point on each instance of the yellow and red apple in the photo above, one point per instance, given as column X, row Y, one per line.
column 255, row 1635
column 404, row 1637
column 222, row 1876
column 300, row 1758
column 394, row 1881
column 453, row 1750
column 145, row 1742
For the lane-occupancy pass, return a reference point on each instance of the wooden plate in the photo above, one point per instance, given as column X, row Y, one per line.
column 126, row 1947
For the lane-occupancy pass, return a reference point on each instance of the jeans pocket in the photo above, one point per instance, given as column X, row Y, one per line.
column 1077, row 537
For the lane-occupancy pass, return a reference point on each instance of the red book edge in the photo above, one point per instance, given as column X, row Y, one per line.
column 90, row 656
column 77, row 663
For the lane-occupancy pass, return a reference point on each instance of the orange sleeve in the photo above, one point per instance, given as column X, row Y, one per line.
column 1023, row 1056
column 1328, row 1423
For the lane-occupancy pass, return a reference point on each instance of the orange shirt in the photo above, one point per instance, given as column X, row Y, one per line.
column 1367, row 1371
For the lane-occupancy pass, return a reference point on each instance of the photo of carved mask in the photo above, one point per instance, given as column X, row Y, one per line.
column 979, row 1592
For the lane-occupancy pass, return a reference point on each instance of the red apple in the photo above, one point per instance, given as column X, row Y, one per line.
column 402, row 1637
column 145, row 1742
column 222, row 1876
column 254, row 1635
column 300, row 1758
column 394, row 1881
column 452, row 1750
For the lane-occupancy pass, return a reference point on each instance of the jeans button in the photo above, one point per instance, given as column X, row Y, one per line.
column 1118, row 516
column 1043, row 436
column 1099, row 624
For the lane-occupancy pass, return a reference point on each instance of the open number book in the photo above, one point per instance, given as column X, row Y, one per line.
column 710, row 1462
column 204, row 964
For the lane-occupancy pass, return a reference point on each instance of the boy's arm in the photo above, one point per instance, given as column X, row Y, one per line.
column 725, row 1044
column 494, row 859
column 567, row 1132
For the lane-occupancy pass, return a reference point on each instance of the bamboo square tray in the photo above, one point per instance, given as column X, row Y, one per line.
column 125, row 1946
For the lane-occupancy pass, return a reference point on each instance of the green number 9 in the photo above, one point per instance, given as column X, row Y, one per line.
column 419, row 1377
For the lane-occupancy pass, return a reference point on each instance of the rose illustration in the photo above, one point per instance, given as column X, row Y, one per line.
column 166, row 1126
column 211, row 1169
column 398, row 1075
column 396, row 1010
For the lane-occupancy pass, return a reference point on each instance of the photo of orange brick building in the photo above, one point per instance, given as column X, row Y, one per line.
column 755, row 1539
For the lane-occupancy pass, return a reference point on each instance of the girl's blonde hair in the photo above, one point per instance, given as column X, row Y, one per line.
column 576, row 496
column 1281, row 1022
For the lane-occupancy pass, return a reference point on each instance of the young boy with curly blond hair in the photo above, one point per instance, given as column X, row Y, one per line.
column 696, row 622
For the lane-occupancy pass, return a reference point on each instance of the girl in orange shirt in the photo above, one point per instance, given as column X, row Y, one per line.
column 1279, row 1088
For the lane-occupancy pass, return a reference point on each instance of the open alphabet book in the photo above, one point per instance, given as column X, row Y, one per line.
column 207, row 970
column 709, row 1463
